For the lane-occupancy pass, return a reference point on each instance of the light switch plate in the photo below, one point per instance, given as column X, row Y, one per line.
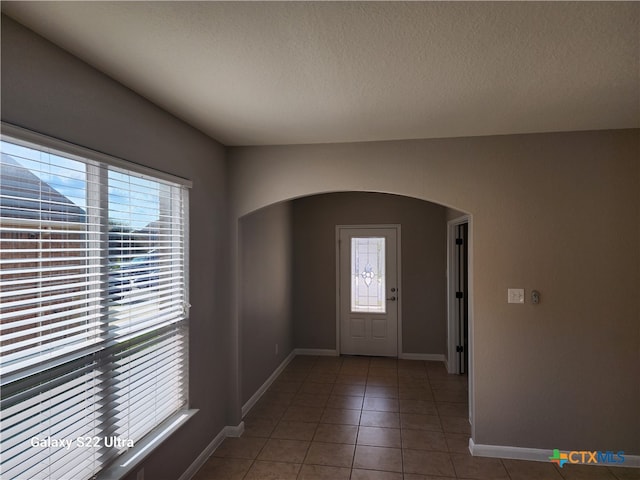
column 515, row 295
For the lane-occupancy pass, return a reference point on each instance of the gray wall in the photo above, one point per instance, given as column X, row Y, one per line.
column 265, row 294
column 556, row 212
column 423, row 256
column 48, row 91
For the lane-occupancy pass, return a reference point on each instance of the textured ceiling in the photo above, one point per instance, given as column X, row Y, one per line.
column 307, row 72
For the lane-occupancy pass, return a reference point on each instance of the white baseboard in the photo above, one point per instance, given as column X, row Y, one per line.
column 535, row 454
column 228, row 431
column 430, row 357
column 265, row 386
column 236, row 431
column 319, row 352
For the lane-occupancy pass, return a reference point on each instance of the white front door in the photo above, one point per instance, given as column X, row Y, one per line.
column 368, row 291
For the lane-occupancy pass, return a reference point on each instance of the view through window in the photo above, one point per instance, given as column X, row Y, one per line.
column 93, row 310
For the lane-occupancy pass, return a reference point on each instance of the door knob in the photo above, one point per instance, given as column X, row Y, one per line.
column 392, row 299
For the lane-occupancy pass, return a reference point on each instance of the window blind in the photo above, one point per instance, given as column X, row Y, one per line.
column 93, row 310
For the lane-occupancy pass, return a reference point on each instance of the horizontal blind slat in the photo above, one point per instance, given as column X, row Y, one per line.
column 93, row 292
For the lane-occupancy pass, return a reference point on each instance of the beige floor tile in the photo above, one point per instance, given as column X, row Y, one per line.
column 223, row 469
column 258, row 427
column 523, row 470
column 329, row 370
column 303, row 414
column 412, row 393
column 330, row 433
column 361, row 372
column 379, row 381
column 379, row 437
column 264, row 410
column 329, row 362
column 376, row 371
column 451, row 395
column 295, row 431
column 427, row 463
column 625, row 473
column 413, row 476
column 277, row 450
column 412, row 372
column 285, row 386
column 412, row 366
column 355, row 360
column 243, row 447
column 310, row 399
column 273, row 471
column 380, row 419
column 416, row 421
column 453, row 409
column 331, row 454
column 586, row 472
column 424, row 440
column 383, row 362
column 351, row 379
column 417, row 406
column 478, row 468
column 456, row 425
column 358, row 474
column 458, row 442
column 293, row 376
column 381, row 391
column 449, row 382
column 435, row 366
column 349, row 402
column 380, row 404
column 323, row 472
column 404, row 363
column 341, row 416
column 331, row 414
column 342, row 389
column 317, row 377
column 378, row 458
column 412, row 382
column 316, row 388
column 278, row 397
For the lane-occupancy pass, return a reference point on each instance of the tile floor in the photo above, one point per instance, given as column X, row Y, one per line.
column 370, row 418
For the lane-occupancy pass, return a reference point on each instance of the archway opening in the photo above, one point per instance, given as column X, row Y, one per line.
column 287, row 298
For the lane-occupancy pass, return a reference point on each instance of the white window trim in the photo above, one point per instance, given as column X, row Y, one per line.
column 72, row 150
column 128, row 461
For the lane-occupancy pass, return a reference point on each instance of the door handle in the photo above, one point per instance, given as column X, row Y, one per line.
column 392, row 299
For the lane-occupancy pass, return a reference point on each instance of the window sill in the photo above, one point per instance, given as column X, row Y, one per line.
column 133, row 457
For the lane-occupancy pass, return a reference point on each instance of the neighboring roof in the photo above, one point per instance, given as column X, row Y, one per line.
column 23, row 195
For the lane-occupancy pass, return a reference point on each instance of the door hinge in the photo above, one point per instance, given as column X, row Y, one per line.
column 459, row 294
column 459, row 241
column 459, row 348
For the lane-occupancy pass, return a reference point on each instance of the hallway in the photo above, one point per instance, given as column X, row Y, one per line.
column 362, row 418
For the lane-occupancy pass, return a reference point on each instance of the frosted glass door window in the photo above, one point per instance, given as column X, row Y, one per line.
column 368, row 275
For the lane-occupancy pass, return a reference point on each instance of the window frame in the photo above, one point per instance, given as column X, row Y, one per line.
column 126, row 462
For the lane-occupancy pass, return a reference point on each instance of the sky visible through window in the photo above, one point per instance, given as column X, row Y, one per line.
column 133, row 201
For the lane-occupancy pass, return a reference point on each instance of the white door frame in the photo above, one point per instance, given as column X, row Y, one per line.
column 398, row 285
column 452, row 321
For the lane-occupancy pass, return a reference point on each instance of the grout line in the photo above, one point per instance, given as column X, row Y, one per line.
column 316, row 368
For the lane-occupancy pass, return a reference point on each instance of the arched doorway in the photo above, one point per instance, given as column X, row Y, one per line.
column 312, row 221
